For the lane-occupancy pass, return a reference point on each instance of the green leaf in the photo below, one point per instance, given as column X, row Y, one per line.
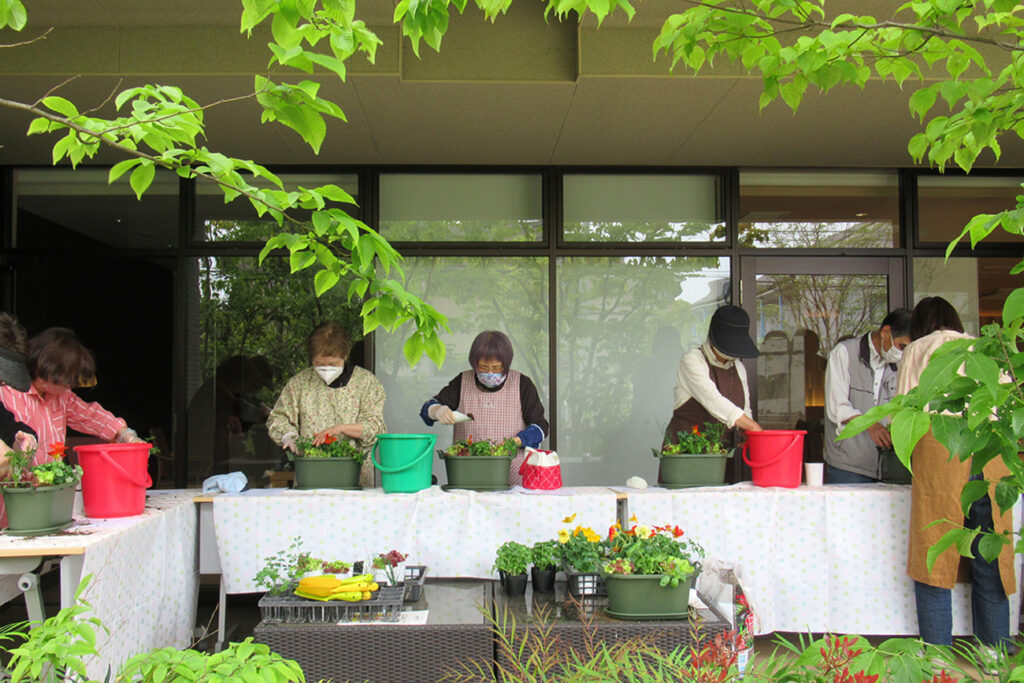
column 142, row 177
column 991, row 544
column 1013, row 307
column 324, row 281
column 907, row 429
column 972, row 491
column 922, row 100
column 301, row 259
column 951, row 537
column 61, row 106
column 120, row 168
column 413, row 349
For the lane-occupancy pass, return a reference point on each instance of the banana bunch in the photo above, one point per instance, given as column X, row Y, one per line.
column 353, row 589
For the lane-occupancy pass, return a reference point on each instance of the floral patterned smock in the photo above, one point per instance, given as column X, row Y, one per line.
column 309, row 406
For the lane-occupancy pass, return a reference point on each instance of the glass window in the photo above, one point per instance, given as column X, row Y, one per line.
column 453, row 207
column 78, row 209
column 799, row 319
column 246, row 337
column 477, row 294
column 642, row 208
column 945, row 205
column 977, row 287
column 623, row 325
column 237, row 221
column 819, row 209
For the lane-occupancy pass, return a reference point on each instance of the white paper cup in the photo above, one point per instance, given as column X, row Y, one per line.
column 814, row 473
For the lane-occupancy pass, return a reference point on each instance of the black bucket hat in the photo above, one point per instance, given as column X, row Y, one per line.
column 13, row 371
column 729, row 332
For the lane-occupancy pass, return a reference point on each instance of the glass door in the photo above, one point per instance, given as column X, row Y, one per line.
column 799, row 309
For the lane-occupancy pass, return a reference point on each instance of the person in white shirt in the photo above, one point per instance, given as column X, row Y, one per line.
column 711, row 386
column 861, row 374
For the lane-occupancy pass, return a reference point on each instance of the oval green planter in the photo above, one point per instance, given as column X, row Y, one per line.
column 686, row 470
column 477, row 472
column 39, row 511
column 327, row 473
column 641, row 597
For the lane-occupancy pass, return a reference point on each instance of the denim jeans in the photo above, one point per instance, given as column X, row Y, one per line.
column 834, row 475
column 990, row 608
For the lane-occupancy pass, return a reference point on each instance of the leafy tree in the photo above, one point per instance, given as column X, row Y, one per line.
column 972, row 54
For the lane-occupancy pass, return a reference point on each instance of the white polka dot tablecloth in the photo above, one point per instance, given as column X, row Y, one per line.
column 830, row 558
column 144, row 575
column 454, row 533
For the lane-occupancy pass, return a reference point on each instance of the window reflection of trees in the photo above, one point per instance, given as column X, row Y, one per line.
column 817, row 234
column 511, row 230
column 644, row 231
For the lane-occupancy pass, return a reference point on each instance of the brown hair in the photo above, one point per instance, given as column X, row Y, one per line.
column 933, row 313
column 491, row 344
column 56, row 355
column 13, row 336
column 329, row 339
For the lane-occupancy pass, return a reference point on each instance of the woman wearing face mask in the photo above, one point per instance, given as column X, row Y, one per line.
column 503, row 402
column 330, row 399
column 710, row 385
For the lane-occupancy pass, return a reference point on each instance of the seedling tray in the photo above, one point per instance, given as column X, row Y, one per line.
column 385, row 605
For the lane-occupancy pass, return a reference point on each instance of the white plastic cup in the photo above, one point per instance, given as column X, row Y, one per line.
column 814, row 473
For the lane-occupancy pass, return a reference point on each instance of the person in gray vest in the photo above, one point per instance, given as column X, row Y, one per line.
column 861, row 374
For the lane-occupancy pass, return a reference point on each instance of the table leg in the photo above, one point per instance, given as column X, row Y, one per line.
column 622, row 511
column 70, row 578
column 28, row 582
column 222, row 612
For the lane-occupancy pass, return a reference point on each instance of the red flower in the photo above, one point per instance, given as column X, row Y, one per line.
column 611, row 531
column 57, row 450
column 677, row 532
column 329, row 439
column 696, row 430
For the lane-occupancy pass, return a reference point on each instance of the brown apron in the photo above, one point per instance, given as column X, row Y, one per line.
column 692, row 413
column 935, row 495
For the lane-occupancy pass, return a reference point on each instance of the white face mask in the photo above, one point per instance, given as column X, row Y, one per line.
column 892, row 354
column 329, row 373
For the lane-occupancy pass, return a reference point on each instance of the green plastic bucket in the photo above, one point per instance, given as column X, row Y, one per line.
column 405, row 461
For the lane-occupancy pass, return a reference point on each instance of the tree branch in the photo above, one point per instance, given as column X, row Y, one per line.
column 41, row 36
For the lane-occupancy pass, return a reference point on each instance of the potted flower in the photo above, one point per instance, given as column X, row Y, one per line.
column 545, row 556
column 479, row 465
column 582, row 551
column 696, row 459
column 39, row 498
column 335, row 464
column 391, row 564
column 511, row 562
column 648, row 572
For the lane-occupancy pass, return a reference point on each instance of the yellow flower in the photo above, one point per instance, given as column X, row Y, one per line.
column 569, row 518
column 633, row 518
column 644, row 531
column 563, row 535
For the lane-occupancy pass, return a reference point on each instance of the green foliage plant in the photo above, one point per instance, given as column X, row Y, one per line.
column 484, row 448
column 244, row 661
column 645, row 551
column 331, row 448
column 23, row 474
column 545, row 554
column 282, row 570
column 513, row 558
column 698, row 440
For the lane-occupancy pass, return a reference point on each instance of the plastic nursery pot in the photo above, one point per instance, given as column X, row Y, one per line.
column 513, row 584
column 543, row 579
column 39, row 511
column 477, row 472
column 685, row 470
column 641, row 597
column 327, row 473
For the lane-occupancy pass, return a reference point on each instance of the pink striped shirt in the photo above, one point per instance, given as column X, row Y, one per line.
column 50, row 417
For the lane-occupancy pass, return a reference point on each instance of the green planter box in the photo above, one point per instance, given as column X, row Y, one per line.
column 39, row 511
column 327, row 473
column 477, row 472
column 641, row 597
column 685, row 470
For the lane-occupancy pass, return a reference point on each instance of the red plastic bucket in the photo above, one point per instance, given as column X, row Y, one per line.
column 776, row 456
column 115, row 477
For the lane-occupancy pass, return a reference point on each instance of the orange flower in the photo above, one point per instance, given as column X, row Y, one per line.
column 677, row 532
column 57, row 450
column 611, row 531
column 329, row 439
column 696, row 430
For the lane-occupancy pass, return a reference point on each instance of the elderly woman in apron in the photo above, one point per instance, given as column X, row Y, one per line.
column 503, row 402
column 711, row 383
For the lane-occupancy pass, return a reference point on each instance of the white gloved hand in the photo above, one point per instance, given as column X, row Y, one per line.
column 288, row 442
column 128, row 435
column 443, row 414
